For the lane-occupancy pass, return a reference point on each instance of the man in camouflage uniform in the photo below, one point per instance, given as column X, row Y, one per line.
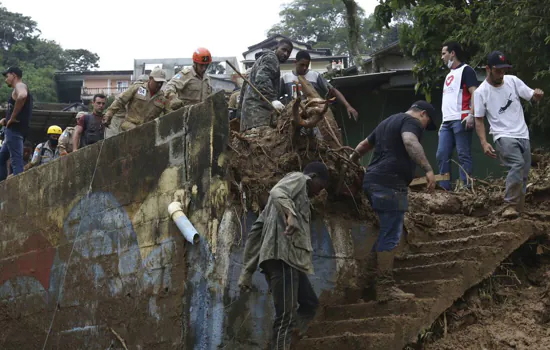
column 265, row 76
column 236, row 99
column 192, row 85
column 234, row 103
column 280, row 243
column 47, row 151
column 65, row 144
column 143, row 102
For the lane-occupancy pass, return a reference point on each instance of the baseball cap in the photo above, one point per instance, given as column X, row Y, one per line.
column 158, row 75
column 425, row 106
column 497, row 59
column 15, row 70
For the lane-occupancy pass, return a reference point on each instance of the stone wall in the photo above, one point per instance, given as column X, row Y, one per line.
column 85, row 269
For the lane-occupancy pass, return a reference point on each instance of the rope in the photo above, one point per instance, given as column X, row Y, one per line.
column 72, row 250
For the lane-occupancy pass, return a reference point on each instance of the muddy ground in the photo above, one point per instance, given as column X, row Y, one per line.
column 509, row 310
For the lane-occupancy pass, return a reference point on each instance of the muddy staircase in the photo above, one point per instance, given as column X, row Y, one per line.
column 438, row 268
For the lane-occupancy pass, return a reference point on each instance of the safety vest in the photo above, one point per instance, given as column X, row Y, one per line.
column 456, row 99
column 93, row 132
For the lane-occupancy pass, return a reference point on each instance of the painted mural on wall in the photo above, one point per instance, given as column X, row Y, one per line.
column 100, row 229
column 218, row 315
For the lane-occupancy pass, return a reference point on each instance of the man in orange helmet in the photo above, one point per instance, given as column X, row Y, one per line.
column 192, row 85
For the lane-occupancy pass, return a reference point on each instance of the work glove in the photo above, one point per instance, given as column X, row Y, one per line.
column 175, row 103
column 278, row 105
column 469, row 121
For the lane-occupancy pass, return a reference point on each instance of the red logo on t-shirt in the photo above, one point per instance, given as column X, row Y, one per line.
column 449, row 80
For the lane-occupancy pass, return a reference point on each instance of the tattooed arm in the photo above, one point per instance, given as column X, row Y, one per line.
column 416, row 152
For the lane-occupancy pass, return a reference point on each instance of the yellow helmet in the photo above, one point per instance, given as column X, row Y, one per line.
column 54, row 130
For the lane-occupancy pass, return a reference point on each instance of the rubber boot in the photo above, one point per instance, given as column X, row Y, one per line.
column 372, row 267
column 368, row 282
column 385, row 284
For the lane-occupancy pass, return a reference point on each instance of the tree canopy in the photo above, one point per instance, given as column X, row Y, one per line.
column 21, row 45
column 324, row 24
column 519, row 28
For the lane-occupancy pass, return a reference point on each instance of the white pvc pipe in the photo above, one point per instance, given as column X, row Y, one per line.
column 184, row 225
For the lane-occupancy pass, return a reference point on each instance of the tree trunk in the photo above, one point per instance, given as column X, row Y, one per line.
column 353, row 32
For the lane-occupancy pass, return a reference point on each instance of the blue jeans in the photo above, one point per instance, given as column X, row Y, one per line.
column 453, row 134
column 390, row 205
column 515, row 154
column 11, row 148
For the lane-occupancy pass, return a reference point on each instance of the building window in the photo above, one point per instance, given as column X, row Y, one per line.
column 121, row 86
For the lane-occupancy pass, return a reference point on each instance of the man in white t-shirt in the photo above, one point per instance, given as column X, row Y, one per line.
column 317, row 80
column 456, row 107
column 498, row 99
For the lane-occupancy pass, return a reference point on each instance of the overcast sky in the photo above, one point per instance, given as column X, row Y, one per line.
column 121, row 30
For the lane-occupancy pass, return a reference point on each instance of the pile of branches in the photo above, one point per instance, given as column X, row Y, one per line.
column 304, row 132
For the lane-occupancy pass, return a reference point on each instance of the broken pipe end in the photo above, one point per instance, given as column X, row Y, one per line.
column 182, row 222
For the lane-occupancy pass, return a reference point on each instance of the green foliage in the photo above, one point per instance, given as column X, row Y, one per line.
column 21, row 45
column 14, row 27
column 110, row 100
column 80, row 60
column 323, row 24
column 519, row 28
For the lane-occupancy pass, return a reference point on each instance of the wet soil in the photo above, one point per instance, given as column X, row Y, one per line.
column 509, row 310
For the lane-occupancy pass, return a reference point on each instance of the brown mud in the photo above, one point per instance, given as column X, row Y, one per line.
column 509, row 310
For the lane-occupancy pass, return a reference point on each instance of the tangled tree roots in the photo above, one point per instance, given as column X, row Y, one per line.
column 260, row 158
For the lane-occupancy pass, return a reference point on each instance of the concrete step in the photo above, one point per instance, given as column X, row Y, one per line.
column 348, row 341
column 435, row 271
column 373, row 308
column 442, row 235
column 455, row 233
column 470, row 253
column 487, row 240
column 431, row 289
column 385, row 324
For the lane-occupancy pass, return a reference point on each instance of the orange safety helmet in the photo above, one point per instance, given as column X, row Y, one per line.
column 202, row 56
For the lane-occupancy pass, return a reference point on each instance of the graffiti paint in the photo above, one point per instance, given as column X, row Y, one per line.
column 34, row 261
column 247, row 319
column 98, row 227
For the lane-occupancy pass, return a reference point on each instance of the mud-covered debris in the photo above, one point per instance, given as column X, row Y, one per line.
column 260, row 158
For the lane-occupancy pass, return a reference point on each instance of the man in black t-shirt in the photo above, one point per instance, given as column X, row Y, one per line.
column 397, row 150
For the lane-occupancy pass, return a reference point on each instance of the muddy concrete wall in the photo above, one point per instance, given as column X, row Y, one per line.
column 83, row 268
